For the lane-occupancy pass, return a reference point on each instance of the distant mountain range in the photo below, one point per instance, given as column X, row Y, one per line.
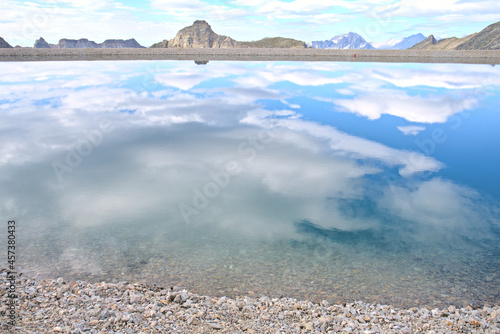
column 486, row 39
column 403, row 44
column 387, row 44
column 355, row 41
column 201, row 35
column 348, row 41
column 85, row 43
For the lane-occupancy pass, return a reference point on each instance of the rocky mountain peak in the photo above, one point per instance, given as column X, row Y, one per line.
column 201, row 23
column 4, row 44
column 41, row 44
column 425, row 44
column 200, row 35
column 200, row 26
column 350, row 40
column 431, row 39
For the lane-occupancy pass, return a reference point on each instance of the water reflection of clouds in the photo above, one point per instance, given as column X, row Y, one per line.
column 179, row 133
column 439, row 76
column 411, row 130
column 418, row 109
column 354, row 148
column 428, row 95
column 442, row 205
column 281, row 184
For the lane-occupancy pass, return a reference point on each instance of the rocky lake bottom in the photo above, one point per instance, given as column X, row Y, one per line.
column 210, row 262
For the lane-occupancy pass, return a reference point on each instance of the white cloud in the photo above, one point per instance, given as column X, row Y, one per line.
column 372, row 99
column 297, row 6
column 187, row 12
column 90, row 5
column 185, row 77
column 439, row 76
column 183, row 81
column 155, row 20
column 179, row 5
column 343, row 91
column 266, row 77
column 427, row 8
column 439, row 204
column 411, row 130
column 353, row 147
column 290, row 105
column 434, row 109
column 95, row 20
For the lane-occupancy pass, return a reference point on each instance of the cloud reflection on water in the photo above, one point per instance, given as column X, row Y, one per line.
column 175, row 132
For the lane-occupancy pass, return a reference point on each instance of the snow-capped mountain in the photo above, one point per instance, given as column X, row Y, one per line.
column 347, row 41
column 409, row 41
column 385, row 45
column 403, row 44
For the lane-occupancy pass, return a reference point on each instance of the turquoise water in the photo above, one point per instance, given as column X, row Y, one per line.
column 339, row 181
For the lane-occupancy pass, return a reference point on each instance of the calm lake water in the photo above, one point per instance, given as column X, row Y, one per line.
column 338, row 181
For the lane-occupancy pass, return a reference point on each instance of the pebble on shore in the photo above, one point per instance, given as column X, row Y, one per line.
column 59, row 306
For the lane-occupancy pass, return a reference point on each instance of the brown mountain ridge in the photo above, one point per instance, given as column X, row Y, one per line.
column 201, row 35
column 486, row 39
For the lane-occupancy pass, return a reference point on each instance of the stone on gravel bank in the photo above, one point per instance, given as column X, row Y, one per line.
column 59, row 306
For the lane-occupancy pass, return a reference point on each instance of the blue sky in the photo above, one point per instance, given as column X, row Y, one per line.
column 150, row 21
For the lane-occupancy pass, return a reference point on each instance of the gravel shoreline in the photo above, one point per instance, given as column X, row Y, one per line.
column 254, row 54
column 59, row 306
